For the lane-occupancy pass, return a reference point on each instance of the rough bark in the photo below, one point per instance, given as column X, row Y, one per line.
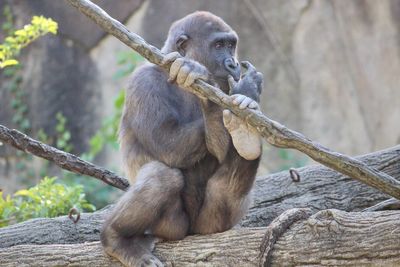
column 60, row 230
column 62, row 159
column 337, row 238
column 389, row 204
column 328, row 238
column 319, row 188
column 273, row 132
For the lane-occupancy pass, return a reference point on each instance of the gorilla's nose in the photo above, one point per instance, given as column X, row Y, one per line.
column 233, row 67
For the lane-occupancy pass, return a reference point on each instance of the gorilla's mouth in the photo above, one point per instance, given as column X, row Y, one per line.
column 233, row 68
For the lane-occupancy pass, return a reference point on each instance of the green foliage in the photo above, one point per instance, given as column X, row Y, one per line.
column 290, row 160
column 12, row 44
column 17, row 103
column 47, row 199
column 13, row 73
column 105, row 137
column 127, row 60
column 8, row 24
column 107, row 134
column 51, row 199
column 63, row 136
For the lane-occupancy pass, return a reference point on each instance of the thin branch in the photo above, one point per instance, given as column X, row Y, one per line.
column 63, row 159
column 275, row 133
column 276, row 229
column 389, row 204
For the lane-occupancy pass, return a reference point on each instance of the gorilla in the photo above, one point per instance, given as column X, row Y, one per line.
column 190, row 163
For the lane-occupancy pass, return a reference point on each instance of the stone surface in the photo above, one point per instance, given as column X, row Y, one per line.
column 79, row 28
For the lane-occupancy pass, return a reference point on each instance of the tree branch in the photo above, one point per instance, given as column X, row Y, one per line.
column 275, row 133
column 62, row 159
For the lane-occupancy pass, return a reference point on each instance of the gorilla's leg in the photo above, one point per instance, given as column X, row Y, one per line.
column 227, row 194
column 152, row 205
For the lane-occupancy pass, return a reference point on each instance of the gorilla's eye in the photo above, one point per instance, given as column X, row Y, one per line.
column 219, row 45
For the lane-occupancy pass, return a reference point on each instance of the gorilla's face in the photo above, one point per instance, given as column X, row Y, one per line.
column 207, row 39
column 217, row 52
column 222, row 60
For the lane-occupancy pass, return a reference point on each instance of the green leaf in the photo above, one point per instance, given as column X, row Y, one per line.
column 120, row 99
column 21, row 38
column 8, row 62
column 22, row 192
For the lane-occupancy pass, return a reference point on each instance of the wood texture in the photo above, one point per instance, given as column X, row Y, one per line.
column 319, row 188
column 62, row 159
column 60, row 230
column 327, row 238
column 337, row 238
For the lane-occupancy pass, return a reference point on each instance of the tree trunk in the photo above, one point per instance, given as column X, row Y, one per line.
column 338, row 238
column 327, row 238
column 319, row 188
column 60, row 230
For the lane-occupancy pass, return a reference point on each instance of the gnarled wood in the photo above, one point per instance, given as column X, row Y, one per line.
column 319, row 188
column 60, row 230
column 62, row 159
column 338, row 238
column 328, row 238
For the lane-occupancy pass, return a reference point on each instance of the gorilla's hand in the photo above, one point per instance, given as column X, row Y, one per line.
column 244, row 102
column 250, row 83
column 245, row 139
column 184, row 71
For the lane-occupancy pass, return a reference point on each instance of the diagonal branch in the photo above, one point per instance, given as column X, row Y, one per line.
column 275, row 133
column 62, row 159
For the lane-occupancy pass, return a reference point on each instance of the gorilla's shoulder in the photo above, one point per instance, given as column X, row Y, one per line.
column 148, row 77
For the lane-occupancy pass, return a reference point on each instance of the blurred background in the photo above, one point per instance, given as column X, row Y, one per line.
column 331, row 70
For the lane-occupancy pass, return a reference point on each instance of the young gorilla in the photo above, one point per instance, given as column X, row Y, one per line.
column 191, row 164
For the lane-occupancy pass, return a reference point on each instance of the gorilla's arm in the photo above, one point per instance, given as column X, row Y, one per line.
column 184, row 71
column 246, row 93
column 157, row 124
column 217, row 137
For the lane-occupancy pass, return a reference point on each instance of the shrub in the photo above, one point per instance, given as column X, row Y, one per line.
column 47, row 199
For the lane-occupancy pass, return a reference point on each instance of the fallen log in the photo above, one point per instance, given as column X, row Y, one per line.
column 60, row 230
column 327, row 238
column 319, row 188
column 338, row 238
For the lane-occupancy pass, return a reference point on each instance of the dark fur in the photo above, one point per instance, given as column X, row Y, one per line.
column 187, row 177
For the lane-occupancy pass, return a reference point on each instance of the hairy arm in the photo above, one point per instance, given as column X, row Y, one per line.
column 157, row 124
column 184, row 72
column 245, row 94
column 217, row 136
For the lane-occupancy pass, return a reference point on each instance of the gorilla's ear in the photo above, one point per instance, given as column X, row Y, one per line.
column 181, row 44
